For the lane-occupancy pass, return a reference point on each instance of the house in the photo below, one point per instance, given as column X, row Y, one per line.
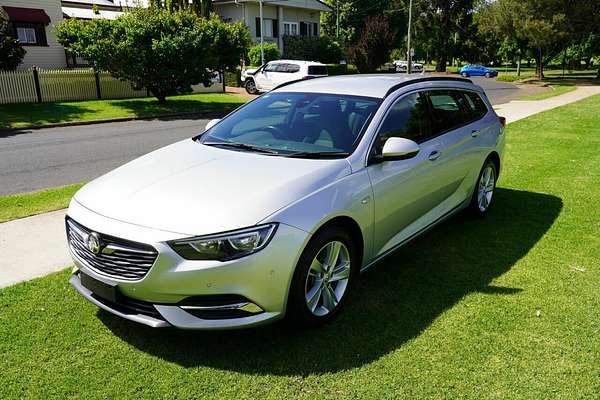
column 33, row 22
column 283, row 17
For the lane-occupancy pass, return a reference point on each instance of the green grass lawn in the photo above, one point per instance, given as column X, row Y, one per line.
column 558, row 88
column 21, row 115
column 500, row 308
column 26, row 204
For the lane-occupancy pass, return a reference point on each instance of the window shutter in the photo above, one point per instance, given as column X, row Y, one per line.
column 303, row 30
column 275, row 28
column 257, row 26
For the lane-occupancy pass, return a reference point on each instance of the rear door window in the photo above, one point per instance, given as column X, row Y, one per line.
column 448, row 110
column 317, row 70
column 475, row 105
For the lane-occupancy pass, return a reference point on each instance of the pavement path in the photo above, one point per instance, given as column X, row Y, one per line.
column 35, row 246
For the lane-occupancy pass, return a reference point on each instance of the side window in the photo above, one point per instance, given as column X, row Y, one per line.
column 475, row 105
column 272, row 67
column 408, row 118
column 292, row 68
column 447, row 111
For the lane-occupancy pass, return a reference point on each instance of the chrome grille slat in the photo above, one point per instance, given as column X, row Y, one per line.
column 125, row 261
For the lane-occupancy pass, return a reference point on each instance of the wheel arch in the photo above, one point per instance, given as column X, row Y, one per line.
column 495, row 157
column 350, row 225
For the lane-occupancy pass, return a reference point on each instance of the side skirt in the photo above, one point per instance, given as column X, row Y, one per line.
column 441, row 219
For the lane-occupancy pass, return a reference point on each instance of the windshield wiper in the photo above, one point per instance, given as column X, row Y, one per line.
column 318, row 154
column 243, row 146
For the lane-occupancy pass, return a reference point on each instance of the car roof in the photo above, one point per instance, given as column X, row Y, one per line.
column 302, row 62
column 374, row 85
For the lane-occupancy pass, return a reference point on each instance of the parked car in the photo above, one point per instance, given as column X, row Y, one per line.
column 275, row 73
column 274, row 210
column 477, row 70
column 402, row 66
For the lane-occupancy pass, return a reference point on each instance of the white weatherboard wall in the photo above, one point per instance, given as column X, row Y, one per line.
column 53, row 55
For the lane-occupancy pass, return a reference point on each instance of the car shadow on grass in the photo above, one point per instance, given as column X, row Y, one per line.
column 394, row 302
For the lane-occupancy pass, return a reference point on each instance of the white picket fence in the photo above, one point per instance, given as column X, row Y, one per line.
column 70, row 84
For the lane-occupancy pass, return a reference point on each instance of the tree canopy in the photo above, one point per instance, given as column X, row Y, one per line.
column 11, row 51
column 154, row 48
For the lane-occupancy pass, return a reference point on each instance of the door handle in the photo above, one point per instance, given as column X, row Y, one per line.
column 434, row 155
column 475, row 133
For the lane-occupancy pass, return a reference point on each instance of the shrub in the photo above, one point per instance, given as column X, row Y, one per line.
column 271, row 53
column 11, row 51
column 312, row 48
column 374, row 45
column 163, row 51
column 341, row 69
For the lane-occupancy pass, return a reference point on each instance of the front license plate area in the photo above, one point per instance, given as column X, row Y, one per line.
column 106, row 291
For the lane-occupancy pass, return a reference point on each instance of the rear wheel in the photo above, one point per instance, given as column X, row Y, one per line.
column 250, row 86
column 482, row 197
column 323, row 278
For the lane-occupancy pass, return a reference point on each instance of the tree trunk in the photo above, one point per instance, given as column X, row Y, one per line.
column 442, row 60
column 519, row 63
column 539, row 65
column 598, row 74
column 160, row 95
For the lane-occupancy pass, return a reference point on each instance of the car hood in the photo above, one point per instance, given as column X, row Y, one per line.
column 193, row 189
column 249, row 72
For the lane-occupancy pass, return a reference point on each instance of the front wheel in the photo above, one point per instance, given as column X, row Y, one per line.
column 488, row 75
column 250, row 86
column 465, row 75
column 323, row 278
column 482, row 197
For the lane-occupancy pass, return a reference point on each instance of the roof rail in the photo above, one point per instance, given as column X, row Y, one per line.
column 427, row 79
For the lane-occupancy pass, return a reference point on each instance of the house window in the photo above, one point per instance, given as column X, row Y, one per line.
column 268, row 27
column 290, row 28
column 26, row 35
column 30, row 34
column 309, row 29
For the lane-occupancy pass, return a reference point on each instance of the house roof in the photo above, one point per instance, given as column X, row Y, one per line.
column 316, row 5
column 89, row 3
column 33, row 15
column 88, row 13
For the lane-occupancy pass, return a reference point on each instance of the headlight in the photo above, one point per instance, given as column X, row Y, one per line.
column 225, row 246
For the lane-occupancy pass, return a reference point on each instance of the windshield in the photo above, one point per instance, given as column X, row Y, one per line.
column 295, row 123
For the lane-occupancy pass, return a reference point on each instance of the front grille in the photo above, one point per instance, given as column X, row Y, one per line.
column 117, row 258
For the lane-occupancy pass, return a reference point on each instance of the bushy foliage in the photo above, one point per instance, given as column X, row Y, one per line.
column 270, row 50
column 374, row 45
column 157, row 49
column 11, row 51
column 312, row 48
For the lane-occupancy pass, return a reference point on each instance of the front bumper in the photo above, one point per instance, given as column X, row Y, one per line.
column 262, row 278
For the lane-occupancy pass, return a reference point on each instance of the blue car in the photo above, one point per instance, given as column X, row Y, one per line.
column 477, row 70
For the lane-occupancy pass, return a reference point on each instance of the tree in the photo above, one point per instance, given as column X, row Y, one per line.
column 154, row 48
column 374, row 47
column 11, row 51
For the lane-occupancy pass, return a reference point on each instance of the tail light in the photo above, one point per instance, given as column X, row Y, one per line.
column 502, row 121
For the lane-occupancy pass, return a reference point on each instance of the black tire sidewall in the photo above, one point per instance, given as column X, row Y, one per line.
column 247, row 89
column 297, row 311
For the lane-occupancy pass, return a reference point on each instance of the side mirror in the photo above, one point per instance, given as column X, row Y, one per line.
column 397, row 148
column 211, row 123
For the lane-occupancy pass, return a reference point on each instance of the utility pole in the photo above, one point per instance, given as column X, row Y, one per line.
column 262, row 51
column 337, row 19
column 409, row 58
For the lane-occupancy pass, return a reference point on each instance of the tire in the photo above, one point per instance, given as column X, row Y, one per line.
column 488, row 75
column 250, row 86
column 305, row 282
column 483, row 193
column 465, row 75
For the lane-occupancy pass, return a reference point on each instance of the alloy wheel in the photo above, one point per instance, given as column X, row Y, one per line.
column 327, row 279
column 485, row 189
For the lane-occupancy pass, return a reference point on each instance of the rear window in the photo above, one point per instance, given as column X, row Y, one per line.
column 317, row 70
column 476, row 106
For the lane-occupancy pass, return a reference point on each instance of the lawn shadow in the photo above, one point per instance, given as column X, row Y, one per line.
column 394, row 302
column 37, row 114
column 200, row 108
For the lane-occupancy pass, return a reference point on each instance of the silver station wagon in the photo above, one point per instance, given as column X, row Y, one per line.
column 275, row 210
